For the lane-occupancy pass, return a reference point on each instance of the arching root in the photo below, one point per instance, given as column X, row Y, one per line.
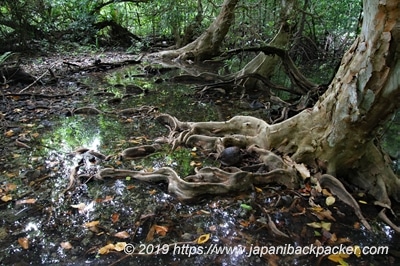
column 209, row 180
column 383, row 216
column 336, row 187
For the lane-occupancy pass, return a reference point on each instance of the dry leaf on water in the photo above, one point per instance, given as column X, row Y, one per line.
column 326, row 226
column 66, row 245
column 120, row 246
column 203, row 239
column 314, row 225
column 106, row 199
column 245, row 223
column 339, row 258
column 9, row 187
column 322, row 213
column 326, row 214
column 91, row 224
column 115, row 217
column 258, row 190
column 80, row 206
column 23, row 242
column 152, row 192
column 9, row 133
column 106, row 249
column 25, row 201
column 150, row 234
column 161, row 230
column 6, row 198
column 122, row 234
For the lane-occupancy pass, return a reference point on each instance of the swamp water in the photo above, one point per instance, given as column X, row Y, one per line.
column 48, row 220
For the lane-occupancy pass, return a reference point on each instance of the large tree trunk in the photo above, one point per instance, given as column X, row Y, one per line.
column 209, row 43
column 339, row 130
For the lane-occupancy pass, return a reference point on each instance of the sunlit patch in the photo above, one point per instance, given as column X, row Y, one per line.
column 31, row 227
column 95, row 143
column 389, row 232
column 119, row 187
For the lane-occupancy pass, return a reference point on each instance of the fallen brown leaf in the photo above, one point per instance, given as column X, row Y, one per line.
column 80, row 206
column 25, row 201
column 6, row 198
column 324, row 214
column 120, row 246
column 106, row 249
column 161, row 230
column 23, row 242
column 66, row 245
column 9, row 133
column 244, row 223
column 152, row 192
column 203, row 239
column 122, row 234
column 91, row 224
column 115, row 217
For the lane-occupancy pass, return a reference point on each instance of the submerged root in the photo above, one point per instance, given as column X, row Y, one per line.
column 207, row 181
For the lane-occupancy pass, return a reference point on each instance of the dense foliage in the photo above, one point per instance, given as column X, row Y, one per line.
column 139, row 24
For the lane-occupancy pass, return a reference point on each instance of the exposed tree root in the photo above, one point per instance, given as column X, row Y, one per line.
column 257, row 136
column 140, row 151
column 207, row 181
column 383, row 216
column 336, row 187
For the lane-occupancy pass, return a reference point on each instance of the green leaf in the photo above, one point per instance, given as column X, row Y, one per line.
column 246, row 207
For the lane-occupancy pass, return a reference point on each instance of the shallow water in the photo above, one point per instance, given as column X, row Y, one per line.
column 58, row 213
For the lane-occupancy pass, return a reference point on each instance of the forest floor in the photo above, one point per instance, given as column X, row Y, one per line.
column 55, row 132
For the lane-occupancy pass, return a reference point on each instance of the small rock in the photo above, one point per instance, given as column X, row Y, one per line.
column 230, row 156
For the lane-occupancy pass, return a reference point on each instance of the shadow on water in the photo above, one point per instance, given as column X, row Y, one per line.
column 52, row 218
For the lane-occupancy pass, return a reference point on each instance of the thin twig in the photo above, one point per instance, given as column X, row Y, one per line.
column 36, row 80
